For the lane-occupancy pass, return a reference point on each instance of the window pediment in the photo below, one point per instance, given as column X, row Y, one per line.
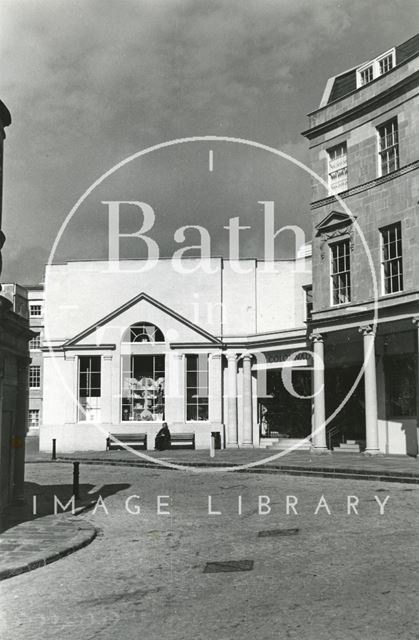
column 335, row 224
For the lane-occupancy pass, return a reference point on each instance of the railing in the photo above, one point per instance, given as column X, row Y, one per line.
column 331, row 432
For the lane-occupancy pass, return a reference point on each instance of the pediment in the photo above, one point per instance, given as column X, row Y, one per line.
column 109, row 329
column 334, row 220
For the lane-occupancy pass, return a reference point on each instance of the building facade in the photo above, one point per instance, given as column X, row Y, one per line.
column 36, row 322
column 204, row 351
column 14, row 361
column 364, row 143
column 226, row 350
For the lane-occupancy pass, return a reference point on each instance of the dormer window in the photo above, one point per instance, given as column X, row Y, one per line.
column 375, row 68
column 366, row 76
column 386, row 63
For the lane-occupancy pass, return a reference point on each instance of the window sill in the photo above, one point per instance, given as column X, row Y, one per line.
column 394, row 294
column 128, row 422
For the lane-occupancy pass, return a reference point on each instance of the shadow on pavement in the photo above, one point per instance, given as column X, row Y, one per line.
column 44, row 500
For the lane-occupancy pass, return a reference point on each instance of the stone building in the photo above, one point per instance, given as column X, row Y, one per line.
column 14, row 360
column 364, row 144
column 36, row 322
column 205, row 351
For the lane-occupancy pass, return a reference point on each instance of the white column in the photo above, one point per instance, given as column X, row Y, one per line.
column 370, row 382
column 232, row 433
column 318, row 435
column 247, row 401
column 215, row 388
column 175, row 399
column 71, row 393
column 106, row 389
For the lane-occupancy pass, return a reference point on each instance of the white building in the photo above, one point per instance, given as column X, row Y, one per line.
column 126, row 349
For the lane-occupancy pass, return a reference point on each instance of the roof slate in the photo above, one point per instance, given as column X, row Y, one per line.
column 346, row 82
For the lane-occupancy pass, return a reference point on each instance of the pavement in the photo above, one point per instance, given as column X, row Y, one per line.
column 38, row 531
column 389, row 468
column 30, row 540
column 316, row 574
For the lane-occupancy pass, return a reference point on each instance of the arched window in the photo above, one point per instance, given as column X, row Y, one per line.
column 143, row 332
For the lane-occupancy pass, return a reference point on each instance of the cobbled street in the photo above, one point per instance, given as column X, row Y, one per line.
column 340, row 576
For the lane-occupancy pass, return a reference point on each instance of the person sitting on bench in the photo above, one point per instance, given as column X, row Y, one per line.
column 162, row 441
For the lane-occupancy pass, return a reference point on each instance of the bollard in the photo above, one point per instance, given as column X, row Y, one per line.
column 76, row 470
column 212, row 446
column 54, row 449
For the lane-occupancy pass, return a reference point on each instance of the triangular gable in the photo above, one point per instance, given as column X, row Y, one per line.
column 333, row 220
column 140, row 297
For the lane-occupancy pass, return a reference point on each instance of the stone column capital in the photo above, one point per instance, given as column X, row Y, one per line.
column 316, row 336
column 367, row 330
column 415, row 321
column 247, row 356
column 215, row 356
column 232, row 357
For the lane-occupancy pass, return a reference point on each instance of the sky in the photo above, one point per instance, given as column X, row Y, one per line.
column 91, row 82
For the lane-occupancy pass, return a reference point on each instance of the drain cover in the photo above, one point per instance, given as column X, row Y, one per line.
column 277, row 532
column 229, row 565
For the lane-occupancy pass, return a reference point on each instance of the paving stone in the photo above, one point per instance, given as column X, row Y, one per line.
column 34, row 543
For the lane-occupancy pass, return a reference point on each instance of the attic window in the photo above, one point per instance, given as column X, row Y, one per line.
column 143, row 332
column 375, row 68
column 386, row 63
column 366, row 75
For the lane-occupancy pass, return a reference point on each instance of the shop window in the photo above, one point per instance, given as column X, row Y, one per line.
column 35, row 376
column 143, row 380
column 197, row 387
column 391, row 258
column 388, row 147
column 341, row 272
column 400, row 374
column 89, row 388
column 33, row 418
column 338, row 168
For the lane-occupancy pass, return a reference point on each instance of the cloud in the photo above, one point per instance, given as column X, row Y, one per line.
column 89, row 82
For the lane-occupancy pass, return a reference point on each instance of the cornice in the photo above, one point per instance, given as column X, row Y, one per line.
column 407, row 168
column 360, row 109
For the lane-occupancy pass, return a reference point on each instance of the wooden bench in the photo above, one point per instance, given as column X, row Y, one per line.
column 182, row 440
column 134, row 440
